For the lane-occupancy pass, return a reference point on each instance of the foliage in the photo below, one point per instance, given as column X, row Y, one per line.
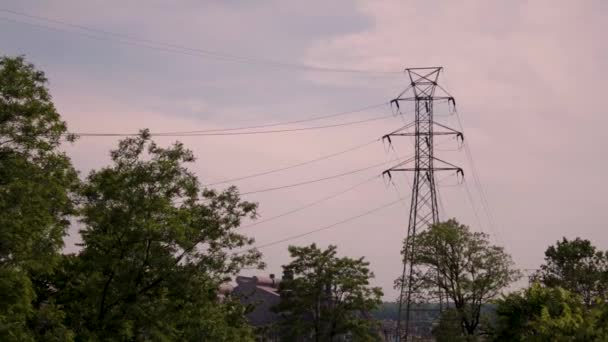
column 387, row 310
column 547, row 314
column 36, row 182
column 449, row 327
column 576, row 265
column 16, row 296
column 35, row 177
column 325, row 296
column 568, row 303
column 152, row 250
column 463, row 264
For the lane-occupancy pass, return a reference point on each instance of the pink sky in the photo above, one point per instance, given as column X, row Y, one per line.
column 527, row 76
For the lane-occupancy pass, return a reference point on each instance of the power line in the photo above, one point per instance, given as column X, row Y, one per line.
column 399, row 193
column 185, row 134
column 297, row 236
column 470, row 197
column 479, row 187
column 315, row 180
column 442, row 212
column 284, row 123
column 477, row 182
column 484, row 201
column 294, row 165
column 175, row 48
column 313, row 203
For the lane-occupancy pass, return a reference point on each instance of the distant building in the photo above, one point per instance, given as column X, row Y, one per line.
column 261, row 293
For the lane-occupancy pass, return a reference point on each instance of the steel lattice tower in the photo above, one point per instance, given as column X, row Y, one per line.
column 423, row 209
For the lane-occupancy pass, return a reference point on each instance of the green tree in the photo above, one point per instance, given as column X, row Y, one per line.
column 324, row 296
column 449, row 327
column 547, row 314
column 576, row 265
column 464, row 266
column 156, row 247
column 36, row 183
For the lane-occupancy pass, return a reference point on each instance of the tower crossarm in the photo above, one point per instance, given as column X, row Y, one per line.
column 423, row 98
column 457, row 169
column 446, row 167
column 403, row 132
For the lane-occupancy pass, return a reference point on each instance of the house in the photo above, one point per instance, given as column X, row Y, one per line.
column 261, row 293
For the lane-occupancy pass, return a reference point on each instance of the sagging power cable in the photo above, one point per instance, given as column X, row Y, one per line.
column 98, row 34
column 297, row 236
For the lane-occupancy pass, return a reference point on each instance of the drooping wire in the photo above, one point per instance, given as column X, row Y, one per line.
column 441, row 184
column 181, row 134
column 396, row 157
column 314, row 180
column 476, row 179
column 477, row 183
column 484, row 201
column 313, row 203
column 473, row 207
column 327, row 156
column 297, row 236
column 284, row 123
column 399, row 193
column 442, row 211
column 175, row 48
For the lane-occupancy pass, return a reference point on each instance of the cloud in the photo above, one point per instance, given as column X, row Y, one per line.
column 528, row 78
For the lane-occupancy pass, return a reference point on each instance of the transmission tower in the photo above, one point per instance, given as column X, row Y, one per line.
column 424, row 92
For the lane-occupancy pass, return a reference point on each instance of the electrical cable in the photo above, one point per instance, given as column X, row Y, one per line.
column 480, row 190
column 470, row 197
column 180, row 134
column 297, row 236
column 314, row 118
column 327, row 156
column 442, row 211
column 399, row 194
column 314, row 180
column 484, row 201
column 313, row 203
column 476, row 180
column 175, row 48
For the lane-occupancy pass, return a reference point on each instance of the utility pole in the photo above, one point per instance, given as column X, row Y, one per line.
column 423, row 209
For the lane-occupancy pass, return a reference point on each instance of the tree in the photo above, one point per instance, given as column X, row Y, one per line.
column 156, row 248
column 36, row 183
column 325, row 296
column 576, row 265
column 464, row 266
column 547, row 314
column 449, row 327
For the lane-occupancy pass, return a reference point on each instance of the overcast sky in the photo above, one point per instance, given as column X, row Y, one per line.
column 528, row 77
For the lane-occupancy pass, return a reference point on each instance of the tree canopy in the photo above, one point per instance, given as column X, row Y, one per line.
column 37, row 181
column 542, row 313
column 567, row 302
column 154, row 246
column 36, row 178
column 577, row 265
column 324, row 296
column 464, row 266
